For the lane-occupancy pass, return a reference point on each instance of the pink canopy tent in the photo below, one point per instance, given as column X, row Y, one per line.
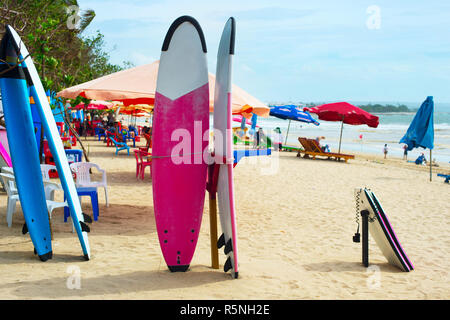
column 138, row 86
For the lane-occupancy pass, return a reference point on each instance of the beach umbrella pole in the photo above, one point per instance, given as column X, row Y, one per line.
column 287, row 133
column 340, row 139
column 431, row 173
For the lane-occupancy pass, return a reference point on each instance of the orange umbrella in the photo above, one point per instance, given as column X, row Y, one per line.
column 138, row 86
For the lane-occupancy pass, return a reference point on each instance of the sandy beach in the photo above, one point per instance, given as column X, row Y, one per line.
column 296, row 219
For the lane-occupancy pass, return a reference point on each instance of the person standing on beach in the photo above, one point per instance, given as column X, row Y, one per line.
column 405, row 152
column 385, row 150
column 259, row 138
column 278, row 139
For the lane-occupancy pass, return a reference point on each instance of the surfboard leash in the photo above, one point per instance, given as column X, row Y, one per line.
column 357, row 236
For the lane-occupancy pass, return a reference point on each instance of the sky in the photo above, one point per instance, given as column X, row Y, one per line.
column 301, row 51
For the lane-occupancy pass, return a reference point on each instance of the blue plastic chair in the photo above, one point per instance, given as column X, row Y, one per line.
column 91, row 192
column 74, row 155
column 120, row 145
column 129, row 137
column 100, row 132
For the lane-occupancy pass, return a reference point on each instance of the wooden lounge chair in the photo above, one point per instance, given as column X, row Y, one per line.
column 312, row 148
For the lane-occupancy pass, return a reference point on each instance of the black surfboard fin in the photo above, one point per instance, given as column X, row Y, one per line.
column 85, row 227
column 24, row 229
column 87, row 218
column 221, row 241
column 46, row 256
column 227, row 266
column 228, row 247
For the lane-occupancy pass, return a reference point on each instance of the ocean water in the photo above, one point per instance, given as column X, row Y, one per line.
column 391, row 129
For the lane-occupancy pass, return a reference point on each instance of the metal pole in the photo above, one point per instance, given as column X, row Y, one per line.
column 340, row 139
column 430, row 166
column 289, row 125
column 365, row 237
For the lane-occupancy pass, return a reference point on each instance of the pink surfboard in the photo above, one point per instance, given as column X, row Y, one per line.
column 180, row 140
column 223, row 148
column 4, row 148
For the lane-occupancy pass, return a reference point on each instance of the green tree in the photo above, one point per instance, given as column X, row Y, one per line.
column 52, row 31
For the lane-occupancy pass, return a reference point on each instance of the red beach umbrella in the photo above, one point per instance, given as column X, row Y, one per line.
column 94, row 105
column 345, row 112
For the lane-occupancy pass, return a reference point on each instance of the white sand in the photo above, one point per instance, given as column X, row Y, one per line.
column 295, row 230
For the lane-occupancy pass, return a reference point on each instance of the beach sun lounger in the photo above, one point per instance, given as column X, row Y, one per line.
column 290, row 148
column 312, row 148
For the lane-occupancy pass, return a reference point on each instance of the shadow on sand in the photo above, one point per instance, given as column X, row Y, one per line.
column 126, row 283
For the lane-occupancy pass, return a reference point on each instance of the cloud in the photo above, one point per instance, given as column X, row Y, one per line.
column 139, row 58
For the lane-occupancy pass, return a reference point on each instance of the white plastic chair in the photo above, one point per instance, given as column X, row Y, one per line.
column 49, row 186
column 4, row 170
column 52, row 205
column 45, row 170
column 8, row 170
column 83, row 177
column 13, row 196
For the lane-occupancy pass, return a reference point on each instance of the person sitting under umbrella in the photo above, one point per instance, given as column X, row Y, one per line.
column 325, row 148
column 421, row 159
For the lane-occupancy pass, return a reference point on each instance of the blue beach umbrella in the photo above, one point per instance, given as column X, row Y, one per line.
column 292, row 112
column 421, row 130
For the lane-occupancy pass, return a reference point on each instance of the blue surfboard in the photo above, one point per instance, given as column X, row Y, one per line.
column 54, row 142
column 23, row 148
